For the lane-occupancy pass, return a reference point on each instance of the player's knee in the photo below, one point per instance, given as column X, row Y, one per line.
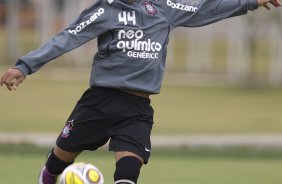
column 127, row 170
column 65, row 155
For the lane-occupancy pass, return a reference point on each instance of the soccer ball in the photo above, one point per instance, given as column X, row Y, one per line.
column 81, row 173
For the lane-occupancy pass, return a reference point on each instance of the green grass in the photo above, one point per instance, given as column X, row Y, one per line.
column 20, row 165
column 211, row 171
column 218, row 110
column 44, row 105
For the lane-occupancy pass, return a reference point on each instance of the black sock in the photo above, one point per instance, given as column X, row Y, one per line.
column 55, row 165
column 127, row 170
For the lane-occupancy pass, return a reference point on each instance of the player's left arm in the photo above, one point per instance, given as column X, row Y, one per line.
column 275, row 3
column 195, row 13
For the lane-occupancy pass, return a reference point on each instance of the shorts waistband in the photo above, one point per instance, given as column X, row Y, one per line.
column 137, row 93
column 129, row 93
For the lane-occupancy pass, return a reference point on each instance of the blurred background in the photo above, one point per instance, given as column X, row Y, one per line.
column 218, row 117
column 240, row 50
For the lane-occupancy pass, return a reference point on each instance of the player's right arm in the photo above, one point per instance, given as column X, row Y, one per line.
column 91, row 23
column 12, row 78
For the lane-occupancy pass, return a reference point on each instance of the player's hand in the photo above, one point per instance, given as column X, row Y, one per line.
column 12, row 78
column 265, row 3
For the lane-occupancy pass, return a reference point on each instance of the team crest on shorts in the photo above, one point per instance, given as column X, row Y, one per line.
column 150, row 8
column 67, row 129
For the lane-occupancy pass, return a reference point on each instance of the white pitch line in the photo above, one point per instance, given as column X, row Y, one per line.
column 266, row 140
column 218, row 140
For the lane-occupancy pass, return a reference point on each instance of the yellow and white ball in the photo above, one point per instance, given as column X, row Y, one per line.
column 81, row 173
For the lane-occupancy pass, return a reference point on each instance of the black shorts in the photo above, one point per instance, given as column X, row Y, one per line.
column 104, row 114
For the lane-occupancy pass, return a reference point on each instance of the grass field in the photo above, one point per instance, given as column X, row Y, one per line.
column 43, row 106
column 20, row 165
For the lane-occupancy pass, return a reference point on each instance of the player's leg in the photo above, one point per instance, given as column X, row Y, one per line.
column 85, row 130
column 57, row 160
column 128, row 166
column 130, row 137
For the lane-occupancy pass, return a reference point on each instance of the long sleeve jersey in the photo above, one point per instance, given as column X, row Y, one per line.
column 132, row 38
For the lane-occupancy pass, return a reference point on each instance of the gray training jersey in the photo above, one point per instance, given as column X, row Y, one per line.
column 132, row 38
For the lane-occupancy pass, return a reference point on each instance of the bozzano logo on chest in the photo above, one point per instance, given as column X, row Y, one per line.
column 183, row 7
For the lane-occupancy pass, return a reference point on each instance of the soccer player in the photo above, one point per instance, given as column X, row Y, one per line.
column 127, row 69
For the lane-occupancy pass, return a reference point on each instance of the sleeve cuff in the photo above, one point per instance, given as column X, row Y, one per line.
column 252, row 4
column 23, row 68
